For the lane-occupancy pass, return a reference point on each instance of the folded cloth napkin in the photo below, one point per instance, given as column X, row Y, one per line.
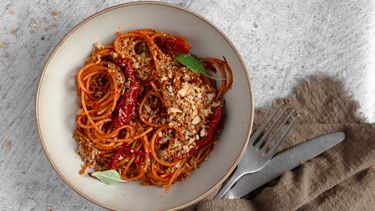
column 343, row 178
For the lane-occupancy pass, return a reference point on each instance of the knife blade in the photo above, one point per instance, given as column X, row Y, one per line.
column 283, row 162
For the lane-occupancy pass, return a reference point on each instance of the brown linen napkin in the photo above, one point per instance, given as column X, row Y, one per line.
column 342, row 178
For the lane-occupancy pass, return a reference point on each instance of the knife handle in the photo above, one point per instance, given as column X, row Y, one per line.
column 255, row 180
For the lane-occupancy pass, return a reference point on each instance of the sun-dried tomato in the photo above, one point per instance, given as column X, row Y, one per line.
column 170, row 45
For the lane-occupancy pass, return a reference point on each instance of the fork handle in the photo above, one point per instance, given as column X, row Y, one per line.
column 229, row 184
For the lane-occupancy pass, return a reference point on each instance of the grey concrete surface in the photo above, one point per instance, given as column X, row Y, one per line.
column 281, row 42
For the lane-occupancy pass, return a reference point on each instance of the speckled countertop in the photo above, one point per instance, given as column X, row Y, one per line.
column 281, row 42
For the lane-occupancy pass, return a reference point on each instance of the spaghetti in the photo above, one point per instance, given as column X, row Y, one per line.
column 144, row 114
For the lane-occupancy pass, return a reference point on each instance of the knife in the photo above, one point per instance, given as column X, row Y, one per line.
column 283, row 162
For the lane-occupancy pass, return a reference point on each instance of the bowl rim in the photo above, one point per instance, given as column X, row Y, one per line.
column 96, row 14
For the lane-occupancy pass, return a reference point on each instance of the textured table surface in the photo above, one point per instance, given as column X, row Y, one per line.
column 281, row 42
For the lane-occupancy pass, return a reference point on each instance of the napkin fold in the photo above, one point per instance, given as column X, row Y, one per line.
column 342, row 178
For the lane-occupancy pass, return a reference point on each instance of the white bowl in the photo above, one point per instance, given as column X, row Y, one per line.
column 56, row 103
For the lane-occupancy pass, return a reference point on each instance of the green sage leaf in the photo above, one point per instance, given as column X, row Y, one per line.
column 193, row 64
column 109, row 177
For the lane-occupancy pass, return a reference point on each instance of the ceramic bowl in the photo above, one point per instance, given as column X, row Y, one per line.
column 56, row 104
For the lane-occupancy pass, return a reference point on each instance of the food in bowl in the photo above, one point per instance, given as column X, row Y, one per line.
column 148, row 109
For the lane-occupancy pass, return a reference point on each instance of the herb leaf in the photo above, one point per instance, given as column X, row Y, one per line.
column 191, row 62
column 109, row 177
column 194, row 65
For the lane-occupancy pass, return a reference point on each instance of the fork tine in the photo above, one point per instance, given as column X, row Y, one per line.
column 272, row 152
column 259, row 130
column 276, row 129
column 273, row 126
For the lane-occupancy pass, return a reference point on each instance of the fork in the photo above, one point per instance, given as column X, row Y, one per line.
column 262, row 146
